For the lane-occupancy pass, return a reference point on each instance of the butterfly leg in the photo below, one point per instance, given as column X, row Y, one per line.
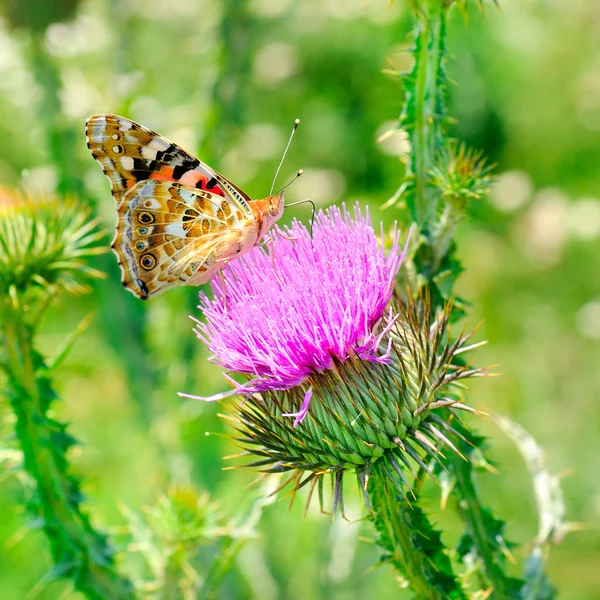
column 290, row 238
column 267, row 239
column 273, row 265
column 223, row 287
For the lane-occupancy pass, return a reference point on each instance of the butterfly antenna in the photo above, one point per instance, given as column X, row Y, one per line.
column 296, row 123
column 288, row 184
column 314, row 209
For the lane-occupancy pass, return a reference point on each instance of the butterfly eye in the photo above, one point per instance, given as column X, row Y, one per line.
column 146, row 217
column 148, row 261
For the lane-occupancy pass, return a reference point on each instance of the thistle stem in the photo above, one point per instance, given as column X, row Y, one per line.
column 424, row 108
column 412, row 545
column 471, row 512
column 443, row 235
column 220, row 566
column 424, row 116
column 79, row 551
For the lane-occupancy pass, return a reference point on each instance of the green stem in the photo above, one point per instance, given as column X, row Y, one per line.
column 443, row 234
column 228, row 108
column 424, row 111
column 220, row 566
column 537, row 586
column 471, row 511
column 424, row 117
column 410, row 542
column 79, row 552
column 173, row 575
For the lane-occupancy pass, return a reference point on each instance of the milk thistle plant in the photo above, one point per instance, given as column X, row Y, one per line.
column 44, row 244
column 350, row 364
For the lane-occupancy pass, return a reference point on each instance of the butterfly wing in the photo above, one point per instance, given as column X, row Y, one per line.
column 129, row 153
column 178, row 219
column 170, row 233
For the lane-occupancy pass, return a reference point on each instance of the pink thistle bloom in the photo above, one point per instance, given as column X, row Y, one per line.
column 284, row 315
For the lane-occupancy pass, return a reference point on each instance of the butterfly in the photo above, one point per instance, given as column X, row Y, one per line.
column 178, row 220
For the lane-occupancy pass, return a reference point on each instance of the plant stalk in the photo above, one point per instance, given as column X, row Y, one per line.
column 78, row 550
column 61, row 138
column 424, row 111
column 471, row 512
column 411, row 544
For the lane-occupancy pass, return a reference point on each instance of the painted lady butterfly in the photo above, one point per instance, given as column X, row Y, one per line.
column 178, row 220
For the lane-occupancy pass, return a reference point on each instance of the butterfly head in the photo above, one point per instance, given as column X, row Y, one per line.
column 273, row 210
column 275, row 207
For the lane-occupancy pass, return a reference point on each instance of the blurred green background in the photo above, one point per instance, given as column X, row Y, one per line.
column 225, row 79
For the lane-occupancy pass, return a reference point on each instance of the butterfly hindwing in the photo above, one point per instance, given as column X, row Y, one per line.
column 168, row 233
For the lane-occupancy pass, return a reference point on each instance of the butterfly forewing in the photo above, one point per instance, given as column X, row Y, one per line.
column 130, row 153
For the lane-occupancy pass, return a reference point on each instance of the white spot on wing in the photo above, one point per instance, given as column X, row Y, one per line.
column 148, row 188
column 158, row 144
column 175, row 229
column 189, row 197
column 127, row 162
column 148, row 152
column 107, row 163
column 125, row 124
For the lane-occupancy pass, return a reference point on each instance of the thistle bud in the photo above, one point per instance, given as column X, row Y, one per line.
column 44, row 243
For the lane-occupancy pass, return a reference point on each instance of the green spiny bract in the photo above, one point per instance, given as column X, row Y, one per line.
column 395, row 413
column 44, row 243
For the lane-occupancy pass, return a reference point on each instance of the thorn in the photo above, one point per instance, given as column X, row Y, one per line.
column 398, row 470
column 425, row 442
column 461, row 406
column 440, row 436
column 450, row 429
column 410, row 450
column 338, row 493
column 310, row 493
column 399, row 443
column 363, row 481
column 469, row 348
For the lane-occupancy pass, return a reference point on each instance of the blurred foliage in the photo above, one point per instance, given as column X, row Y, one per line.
column 528, row 96
column 38, row 16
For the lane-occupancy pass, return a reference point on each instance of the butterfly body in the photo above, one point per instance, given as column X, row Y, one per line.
column 178, row 220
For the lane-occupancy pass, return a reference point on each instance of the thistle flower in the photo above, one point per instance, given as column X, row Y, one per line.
column 313, row 302
column 316, row 327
